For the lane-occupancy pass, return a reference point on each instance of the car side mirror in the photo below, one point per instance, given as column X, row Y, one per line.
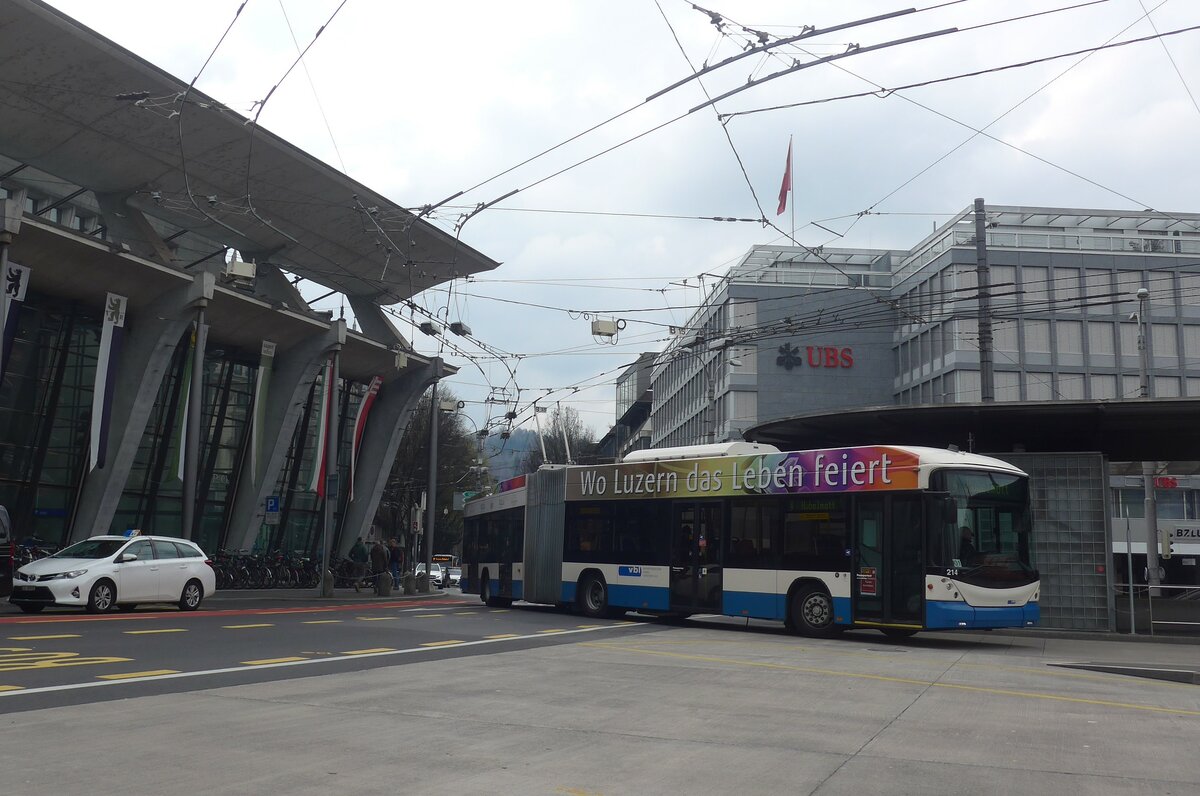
column 126, row 557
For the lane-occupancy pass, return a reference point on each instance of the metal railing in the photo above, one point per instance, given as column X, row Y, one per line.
column 1145, row 609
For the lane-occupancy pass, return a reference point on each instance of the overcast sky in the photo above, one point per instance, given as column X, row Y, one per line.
column 426, row 99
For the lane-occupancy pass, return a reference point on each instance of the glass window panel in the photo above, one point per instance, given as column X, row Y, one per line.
column 1070, row 386
column 1104, row 387
column 1038, row 386
column 1100, row 338
column 1193, row 387
column 967, row 386
column 1066, row 287
column 1163, row 341
column 1034, row 285
column 1008, row 385
column 1004, row 336
column 1004, row 287
column 1189, row 290
column 1129, row 338
column 1037, row 337
column 1162, row 289
column 1166, row 387
column 1128, row 283
column 1070, row 337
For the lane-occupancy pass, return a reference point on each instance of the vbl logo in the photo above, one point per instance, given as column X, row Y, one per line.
column 816, row 356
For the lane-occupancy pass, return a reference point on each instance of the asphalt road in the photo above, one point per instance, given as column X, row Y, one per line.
column 372, row 697
column 67, row 657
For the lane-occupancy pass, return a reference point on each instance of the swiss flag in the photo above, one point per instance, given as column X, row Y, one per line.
column 786, row 188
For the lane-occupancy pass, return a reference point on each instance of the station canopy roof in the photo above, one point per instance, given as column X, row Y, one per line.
column 76, row 105
column 1125, row 431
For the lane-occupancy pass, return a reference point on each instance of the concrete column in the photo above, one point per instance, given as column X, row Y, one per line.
column 152, row 332
column 385, row 426
column 294, row 373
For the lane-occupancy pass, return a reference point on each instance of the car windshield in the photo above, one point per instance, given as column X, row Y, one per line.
column 91, row 548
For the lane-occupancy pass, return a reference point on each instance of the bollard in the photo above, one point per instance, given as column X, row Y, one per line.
column 383, row 584
column 410, row 584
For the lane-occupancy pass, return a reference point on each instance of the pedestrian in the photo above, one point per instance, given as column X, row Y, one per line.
column 396, row 560
column 379, row 562
column 358, row 562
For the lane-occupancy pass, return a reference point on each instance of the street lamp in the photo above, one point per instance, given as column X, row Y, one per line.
column 1153, row 571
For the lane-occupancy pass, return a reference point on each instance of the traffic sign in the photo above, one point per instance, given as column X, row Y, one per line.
column 271, row 516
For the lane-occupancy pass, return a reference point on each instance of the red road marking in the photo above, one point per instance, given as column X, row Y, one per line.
column 25, row 620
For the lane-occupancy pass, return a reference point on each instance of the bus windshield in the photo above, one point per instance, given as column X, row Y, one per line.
column 979, row 526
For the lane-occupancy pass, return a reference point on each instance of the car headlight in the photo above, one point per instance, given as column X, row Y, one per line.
column 68, row 575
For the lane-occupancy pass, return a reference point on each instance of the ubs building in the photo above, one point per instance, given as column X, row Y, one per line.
column 812, row 348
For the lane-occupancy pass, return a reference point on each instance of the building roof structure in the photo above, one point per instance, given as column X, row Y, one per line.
column 83, row 109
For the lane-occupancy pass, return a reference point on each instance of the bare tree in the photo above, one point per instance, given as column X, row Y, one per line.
column 563, row 422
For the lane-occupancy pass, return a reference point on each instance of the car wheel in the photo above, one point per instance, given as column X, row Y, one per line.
column 192, row 594
column 102, row 597
column 32, row 609
column 593, row 597
column 812, row 612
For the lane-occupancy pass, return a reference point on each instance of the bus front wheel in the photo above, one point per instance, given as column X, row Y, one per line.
column 812, row 612
column 593, row 597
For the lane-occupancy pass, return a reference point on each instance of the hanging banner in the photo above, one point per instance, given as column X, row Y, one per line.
column 16, row 280
column 258, row 413
column 108, row 359
column 325, row 398
column 360, row 423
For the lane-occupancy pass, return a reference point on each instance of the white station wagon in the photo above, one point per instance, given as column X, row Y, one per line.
column 107, row 572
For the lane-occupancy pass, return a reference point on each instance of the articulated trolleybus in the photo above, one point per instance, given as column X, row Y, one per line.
column 896, row 538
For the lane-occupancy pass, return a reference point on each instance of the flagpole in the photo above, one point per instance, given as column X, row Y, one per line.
column 793, row 193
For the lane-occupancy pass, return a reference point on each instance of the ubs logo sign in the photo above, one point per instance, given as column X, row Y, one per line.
column 791, row 357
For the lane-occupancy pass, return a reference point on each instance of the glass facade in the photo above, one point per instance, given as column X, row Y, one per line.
column 45, row 412
column 45, row 421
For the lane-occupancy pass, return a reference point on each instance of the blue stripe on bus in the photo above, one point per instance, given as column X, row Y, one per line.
column 841, row 611
column 759, row 605
column 942, row 615
column 650, row 597
column 568, row 591
column 517, row 592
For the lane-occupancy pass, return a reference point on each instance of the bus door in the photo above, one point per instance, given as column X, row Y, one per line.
column 889, row 562
column 696, row 533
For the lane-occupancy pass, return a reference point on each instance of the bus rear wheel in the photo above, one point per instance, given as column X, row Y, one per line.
column 812, row 612
column 593, row 597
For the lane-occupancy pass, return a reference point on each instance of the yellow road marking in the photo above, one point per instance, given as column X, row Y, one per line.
column 21, row 661
column 552, row 630
column 42, row 638
column 11, row 688
column 368, row 652
column 499, row 611
column 465, row 613
column 374, row 618
column 502, row 635
column 322, row 622
column 128, row 675
column 903, row 680
column 441, row 643
column 149, row 632
column 585, row 627
column 15, row 649
column 240, row 627
column 273, row 660
column 426, row 616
